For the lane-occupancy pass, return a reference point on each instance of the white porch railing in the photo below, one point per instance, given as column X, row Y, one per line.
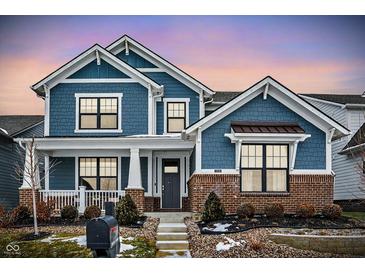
column 79, row 198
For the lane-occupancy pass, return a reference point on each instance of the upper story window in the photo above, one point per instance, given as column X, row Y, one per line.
column 98, row 173
column 264, row 168
column 176, row 117
column 176, row 114
column 98, row 113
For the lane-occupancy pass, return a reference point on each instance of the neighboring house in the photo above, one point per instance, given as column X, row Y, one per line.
column 14, row 126
column 123, row 120
column 349, row 110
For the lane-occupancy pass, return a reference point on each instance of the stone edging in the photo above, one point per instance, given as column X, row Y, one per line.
column 354, row 245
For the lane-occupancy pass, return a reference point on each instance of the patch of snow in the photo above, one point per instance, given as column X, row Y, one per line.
column 219, row 227
column 125, row 247
column 228, row 244
column 80, row 240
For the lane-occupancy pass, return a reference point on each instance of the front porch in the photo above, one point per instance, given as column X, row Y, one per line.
column 156, row 179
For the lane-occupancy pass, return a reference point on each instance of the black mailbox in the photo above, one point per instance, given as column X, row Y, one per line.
column 102, row 236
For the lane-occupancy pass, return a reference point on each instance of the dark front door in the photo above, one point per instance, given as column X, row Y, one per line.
column 170, row 183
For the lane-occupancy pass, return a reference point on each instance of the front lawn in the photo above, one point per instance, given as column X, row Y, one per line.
column 356, row 215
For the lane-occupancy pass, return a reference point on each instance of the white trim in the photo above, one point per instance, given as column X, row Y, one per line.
column 46, row 171
column 149, row 174
column 293, row 154
column 173, row 100
column 153, row 58
column 119, row 171
column 150, row 111
column 198, row 150
column 76, row 172
column 286, row 97
column 266, row 137
column 201, row 106
column 82, row 143
column 99, row 80
column 85, row 58
column 98, row 95
column 97, row 57
column 266, row 91
column 151, row 69
column 134, row 176
column 310, row 172
column 47, row 110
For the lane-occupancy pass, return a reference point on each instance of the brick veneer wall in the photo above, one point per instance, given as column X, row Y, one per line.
column 313, row 189
column 26, row 197
column 137, row 196
column 152, row 204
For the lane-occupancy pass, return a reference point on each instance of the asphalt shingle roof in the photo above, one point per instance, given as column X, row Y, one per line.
column 16, row 123
column 338, row 98
column 225, row 96
column 357, row 139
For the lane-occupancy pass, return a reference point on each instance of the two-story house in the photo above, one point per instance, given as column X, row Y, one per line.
column 347, row 155
column 122, row 119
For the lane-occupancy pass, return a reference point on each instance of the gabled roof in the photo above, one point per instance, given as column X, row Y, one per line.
column 284, row 95
column 119, row 45
column 357, row 141
column 342, row 99
column 14, row 124
column 83, row 59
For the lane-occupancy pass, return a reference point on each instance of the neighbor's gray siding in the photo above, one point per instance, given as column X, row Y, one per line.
column 346, row 167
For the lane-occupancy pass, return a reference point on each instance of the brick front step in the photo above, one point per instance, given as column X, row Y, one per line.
column 170, row 236
column 172, row 245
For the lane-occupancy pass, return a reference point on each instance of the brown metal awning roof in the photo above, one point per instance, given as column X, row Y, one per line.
column 265, row 127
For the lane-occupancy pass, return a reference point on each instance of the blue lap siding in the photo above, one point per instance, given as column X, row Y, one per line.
column 63, row 108
column 174, row 89
column 219, row 153
column 62, row 177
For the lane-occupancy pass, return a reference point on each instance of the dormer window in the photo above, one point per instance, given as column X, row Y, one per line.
column 98, row 113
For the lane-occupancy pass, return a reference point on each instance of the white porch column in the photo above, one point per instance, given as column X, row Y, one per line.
column 30, row 167
column 134, row 178
column 82, row 197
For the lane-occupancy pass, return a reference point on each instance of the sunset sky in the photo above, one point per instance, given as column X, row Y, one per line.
column 306, row 53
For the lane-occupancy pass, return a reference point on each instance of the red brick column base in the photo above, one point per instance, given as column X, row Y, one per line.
column 312, row 189
column 137, row 196
column 26, row 197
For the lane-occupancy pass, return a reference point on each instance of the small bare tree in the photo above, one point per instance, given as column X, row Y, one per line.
column 27, row 170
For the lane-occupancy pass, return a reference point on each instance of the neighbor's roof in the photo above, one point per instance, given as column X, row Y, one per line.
column 338, row 98
column 265, row 127
column 224, row 96
column 357, row 141
column 14, row 124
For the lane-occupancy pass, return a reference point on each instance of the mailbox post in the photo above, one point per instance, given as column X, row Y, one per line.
column 102, row 236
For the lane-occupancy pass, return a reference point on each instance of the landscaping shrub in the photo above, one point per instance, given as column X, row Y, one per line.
column 44, row 211
column 245, row 211
column 20, row 213
column 306, row 211
column 332, row 211
column 213, row 208
column 69, row 212
column 126, row 211
column 255, row 243
column 6, row 218
column 274, row 210
column 92, row 212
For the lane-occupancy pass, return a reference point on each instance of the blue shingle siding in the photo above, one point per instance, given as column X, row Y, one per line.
column 9, row 159
column 135, row 60
column 134, row 107
column 219, row 153
column 62, row 177
column 125, row 172
column 94, row 71
column 174, row 89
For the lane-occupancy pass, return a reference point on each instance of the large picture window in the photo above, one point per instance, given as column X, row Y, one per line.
column 264, row 168
column 176, row 117
column 98, row 113
column 98, row 173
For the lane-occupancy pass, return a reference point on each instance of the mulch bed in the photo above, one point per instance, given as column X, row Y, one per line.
column 32, row 236
column 148, row 230
column 256, row 244
column 234, row 225
column 54, row 221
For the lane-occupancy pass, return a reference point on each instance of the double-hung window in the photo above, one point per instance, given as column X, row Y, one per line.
column 98, row 113
column 264, row 168
column 98, row 173
column 176, row 117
